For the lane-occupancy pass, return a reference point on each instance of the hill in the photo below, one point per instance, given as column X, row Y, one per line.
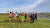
column 44, row 15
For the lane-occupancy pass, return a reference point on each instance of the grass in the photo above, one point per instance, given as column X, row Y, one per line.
column 40, row 23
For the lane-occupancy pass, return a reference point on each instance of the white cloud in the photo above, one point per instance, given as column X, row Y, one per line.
column 28, row 7
column 34, row 5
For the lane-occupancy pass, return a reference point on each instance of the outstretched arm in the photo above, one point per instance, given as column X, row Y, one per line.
column 8, row 12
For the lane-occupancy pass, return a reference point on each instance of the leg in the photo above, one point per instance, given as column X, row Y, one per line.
column 22, row 21
column 25, row 19
column 36, row 17
column 29, row 19
column 33, row 20
column 10, row 19
column 15, row 18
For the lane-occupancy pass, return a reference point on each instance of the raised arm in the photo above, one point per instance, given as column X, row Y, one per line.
column 8, row 12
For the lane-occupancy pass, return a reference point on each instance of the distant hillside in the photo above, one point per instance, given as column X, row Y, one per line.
column 44, row 15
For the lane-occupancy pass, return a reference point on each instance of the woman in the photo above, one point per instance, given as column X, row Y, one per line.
column 16, row 16
column 29, row 16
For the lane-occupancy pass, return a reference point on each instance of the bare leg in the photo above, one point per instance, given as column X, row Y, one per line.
column 29, row 19
column 10, row 19
column 15, row 18
column 22, row 21
column 25, row 19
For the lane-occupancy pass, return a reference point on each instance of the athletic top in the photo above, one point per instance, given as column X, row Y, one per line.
column 28, row 15
column 16, row 14
column 35, row 14
column 22, row 17
column 12, row 14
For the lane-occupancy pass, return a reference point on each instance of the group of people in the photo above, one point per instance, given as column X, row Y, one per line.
column 31, row 16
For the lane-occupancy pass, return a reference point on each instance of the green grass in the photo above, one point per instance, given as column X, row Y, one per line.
column 40, row 23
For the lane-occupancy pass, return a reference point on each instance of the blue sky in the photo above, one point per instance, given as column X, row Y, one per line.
column 25, row 5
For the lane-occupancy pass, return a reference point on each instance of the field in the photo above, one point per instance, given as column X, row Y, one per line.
column 40, row 23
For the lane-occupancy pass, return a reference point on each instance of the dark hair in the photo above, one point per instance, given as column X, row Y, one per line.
column 10, row 12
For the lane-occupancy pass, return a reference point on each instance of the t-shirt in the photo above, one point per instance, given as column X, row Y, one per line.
column 22, row 17
column 16, row 14
column 36, row 14
column 12, row 14
column 33, row 16
column 28, row 15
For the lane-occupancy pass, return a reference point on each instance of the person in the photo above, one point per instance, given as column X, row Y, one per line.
column 10, row 16
column 36, row 15
column 22, row 18
column 16, row 16
column 25, row 16
column 32, row 17
column 29, row 16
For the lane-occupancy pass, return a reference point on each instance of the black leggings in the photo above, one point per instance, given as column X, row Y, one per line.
column 36, row 17
column 32, row 19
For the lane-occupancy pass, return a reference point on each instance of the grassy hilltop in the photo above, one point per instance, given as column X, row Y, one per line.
column 40, row 23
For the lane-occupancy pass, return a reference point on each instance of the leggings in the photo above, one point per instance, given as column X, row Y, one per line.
column 32, row 19
column 36, row 17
